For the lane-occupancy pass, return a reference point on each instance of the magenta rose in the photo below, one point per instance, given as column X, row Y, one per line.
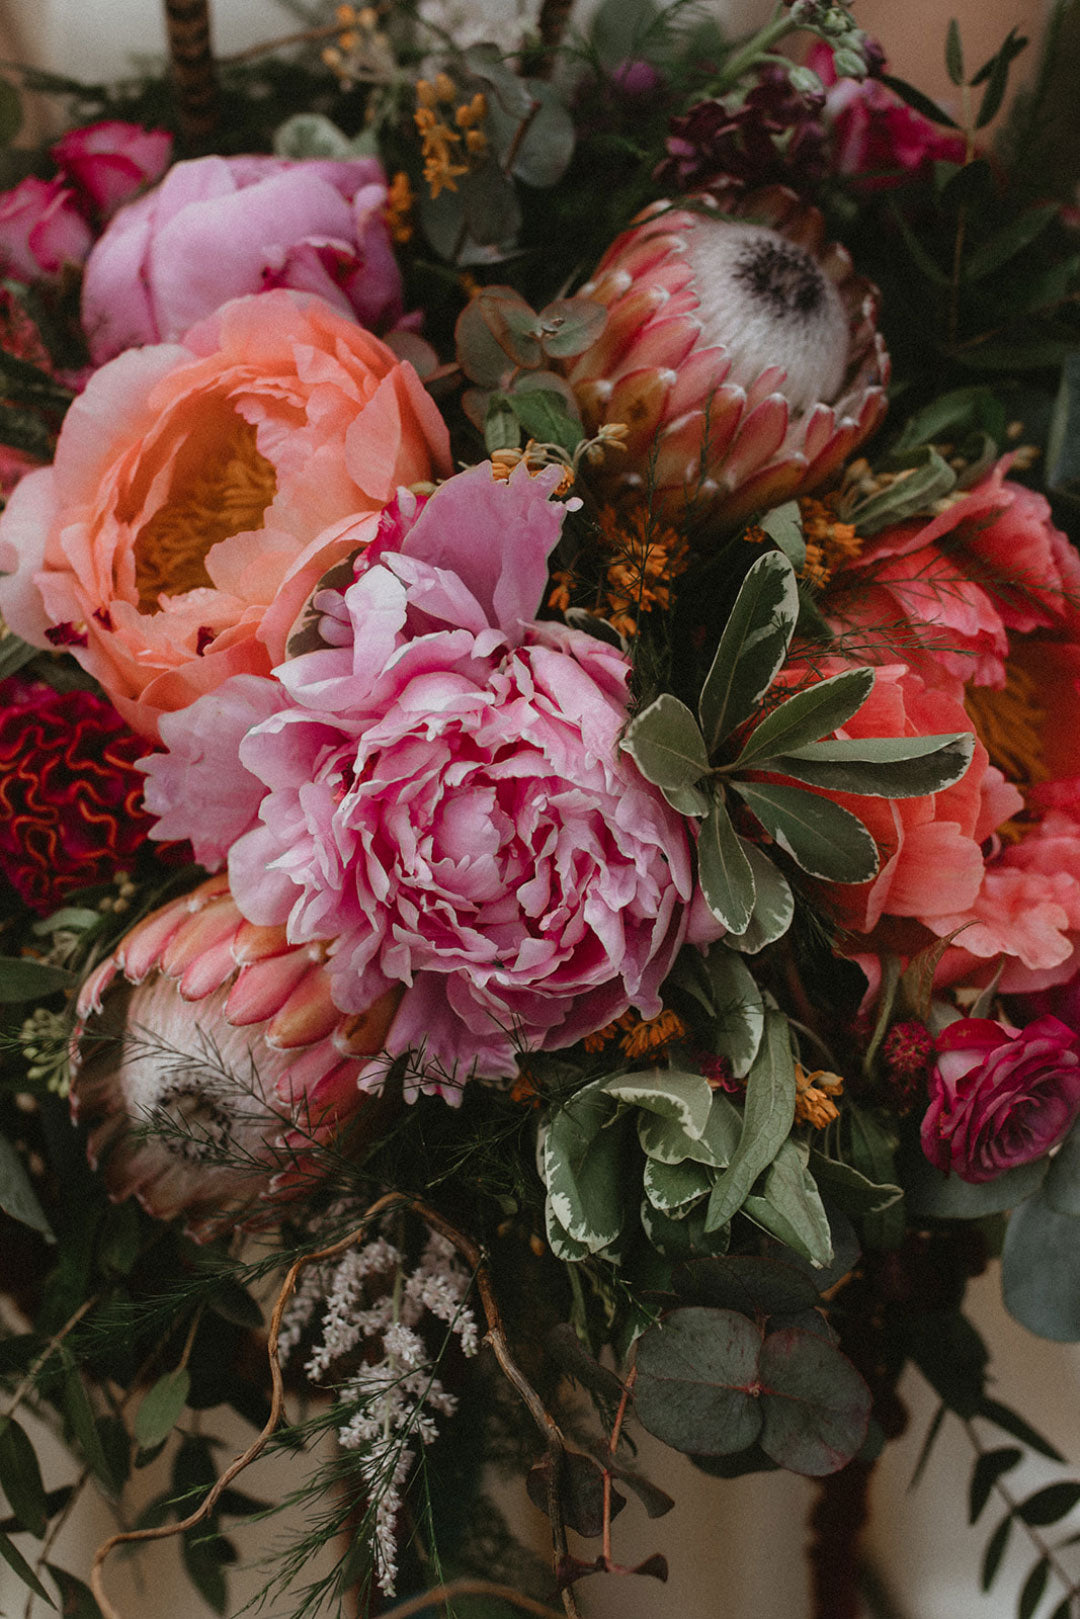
column 217, row 228
column 1000, row 1096
column 444, row 796
column 41, row 229
column 109, row 161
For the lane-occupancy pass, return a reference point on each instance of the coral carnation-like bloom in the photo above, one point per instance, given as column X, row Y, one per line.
column 70, row 796
column 999, row 1096
column 210, row 1062
column 445, row 797
column 201, row 489
column 741, row 351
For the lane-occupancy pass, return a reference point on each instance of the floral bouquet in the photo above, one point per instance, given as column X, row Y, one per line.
column 540, row 747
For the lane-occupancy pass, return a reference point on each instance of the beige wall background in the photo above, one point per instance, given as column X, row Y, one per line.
column 735, row 1550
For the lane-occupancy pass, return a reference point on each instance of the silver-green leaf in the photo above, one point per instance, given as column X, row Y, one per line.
column 767, row 1119
column 666, row 744
column 774, row 904
column 752, row 648
column 825, row 839
column 807, row 716
column 724, row 871
column 881, row 767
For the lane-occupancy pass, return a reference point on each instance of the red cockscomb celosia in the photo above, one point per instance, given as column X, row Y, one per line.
column 70, row 797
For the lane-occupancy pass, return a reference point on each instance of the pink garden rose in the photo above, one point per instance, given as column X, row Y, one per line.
column 1000, row 1096
column 445, row 798
column 201, row 489
column 109, row 161
column 41, row 229
column 217, row 228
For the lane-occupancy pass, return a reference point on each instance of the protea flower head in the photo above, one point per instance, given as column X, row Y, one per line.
column 741, row 352
column 210, row 1062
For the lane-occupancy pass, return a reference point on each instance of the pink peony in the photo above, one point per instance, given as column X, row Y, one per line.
column 41, row 229
column 217, row 228
column 109, row 161
column 446, row 799
column 199, row 492
column 1000, row 1096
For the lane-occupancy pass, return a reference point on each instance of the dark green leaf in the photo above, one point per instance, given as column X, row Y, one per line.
column 1010, row 240
column 961, row 411
column 24, row 980
column 1011, row 1422
column 20, row 1478
column 234, row 1303
column 480, row 353
column 815, row 1406
column 994, row 94
column 17, row 1562
column 543, row 414
column 1049, row 1505
column 807, row 716
column 696, row 1374
column 848, row 1189
column 666, row 744
column 724, row 872
column 1039, row 354
column 744, row 1282
column 10, row 113
column 752, row 648
column 880, row 767
column 1034, row 1586
column 774, row 903
column 1012, row 45
column 502, row 430
column 1040, row 1270
column 80, row 1414
column 873, row 1153
column 989, row 1467
column 822, row 837
column 767, row 1115
column 547, row 144
column 954, row 55
column 14, row 654
column 77, row 1600
column 952, row 1357
column 789, row 1206
column 995, row 1551
column 783, row 525
column 1061, row 1188
column 922, row 260
column 915, row 98
column 17, row 1195
column 25, row 432
column 581, row 1491
column 161, row 1407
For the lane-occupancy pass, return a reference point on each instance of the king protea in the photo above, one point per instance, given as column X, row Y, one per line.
column 210, row 1061
column 741, row 352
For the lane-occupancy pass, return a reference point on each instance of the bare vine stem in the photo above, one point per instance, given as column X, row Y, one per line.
column 496, row 1337
column 613, row 1446
column 470, row 1588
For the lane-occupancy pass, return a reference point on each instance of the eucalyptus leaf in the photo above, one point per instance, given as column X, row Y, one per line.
column 724, row 870
column 684, row 1238
column 684, row 1098
column 752, row 648
column 815, row 1406
column 697, row 1376
column 568, row 326
column 757, row 1287
column 807, row 716
column 1040, row 1270
column 17, row 1195
column 947, row 1197
column 1061, row 1188
column 774, row 904
column 739, row 1010
column 666, row 744
column 161, row 1407
column 547, row 141
column 873, row 1153
column 822, row 837
column 502, row 430
column 767, row 1117
column 880, row 767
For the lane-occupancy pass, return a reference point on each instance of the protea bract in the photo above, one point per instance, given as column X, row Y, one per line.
column 210, row 1062
column 741, row 352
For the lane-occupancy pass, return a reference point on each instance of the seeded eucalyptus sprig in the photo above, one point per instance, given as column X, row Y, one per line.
column 699, row 762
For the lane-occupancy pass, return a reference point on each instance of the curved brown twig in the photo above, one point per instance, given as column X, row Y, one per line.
column 470, row 1588
column 496, row 1336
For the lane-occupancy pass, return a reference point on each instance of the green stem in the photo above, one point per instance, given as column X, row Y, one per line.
column 760, row 43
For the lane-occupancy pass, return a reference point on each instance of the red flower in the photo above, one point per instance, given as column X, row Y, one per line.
column 70, row 797
column 999, row 1096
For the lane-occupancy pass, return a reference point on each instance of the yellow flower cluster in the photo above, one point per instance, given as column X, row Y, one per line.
column 443, row 146
column 828, row 543
column 640, row 1037
column 399, row 204
column 362, row 52
column 647, row 559
column 814, row 1094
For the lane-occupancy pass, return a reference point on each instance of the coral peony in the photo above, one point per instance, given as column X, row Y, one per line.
column 69, row 790
column 200, row 490
column 217, row 228
column 109, row 161
column 210, row 1062
column 984, row 601
column 740, row 351
column 41, row 229
column 445, row 797
column 1000, row 1096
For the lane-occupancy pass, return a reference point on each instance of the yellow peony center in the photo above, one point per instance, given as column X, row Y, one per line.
column 1010, row 723
column 221, row 490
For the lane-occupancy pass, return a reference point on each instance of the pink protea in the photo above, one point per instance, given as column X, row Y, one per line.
column 740, row 350
column 210, row 1062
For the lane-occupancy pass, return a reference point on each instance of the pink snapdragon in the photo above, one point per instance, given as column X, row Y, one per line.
column 445, row 797
column 1000, row 1096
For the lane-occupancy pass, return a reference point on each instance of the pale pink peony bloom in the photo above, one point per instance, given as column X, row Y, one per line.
column 217, row 228
column 199, row 492
column 211, row 1063
column 740, row 350
column 41, row 229
column 109, row 161
column 1000, row 1096
column 446, row 798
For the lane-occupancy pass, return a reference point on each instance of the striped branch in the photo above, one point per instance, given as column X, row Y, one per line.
column 194, row 78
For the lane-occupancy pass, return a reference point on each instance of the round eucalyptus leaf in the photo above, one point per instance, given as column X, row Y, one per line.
column 815, row 1406
column 697, row 1381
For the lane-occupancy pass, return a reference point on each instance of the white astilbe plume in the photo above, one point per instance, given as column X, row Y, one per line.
column 367, row 1299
